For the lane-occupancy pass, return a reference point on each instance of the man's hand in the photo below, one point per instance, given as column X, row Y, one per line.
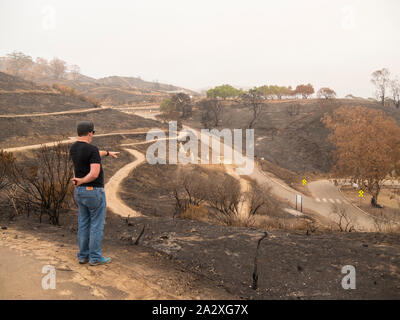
column 77, row 181
column 113, row 154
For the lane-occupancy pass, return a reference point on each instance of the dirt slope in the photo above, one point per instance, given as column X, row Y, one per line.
column 290, row 134
column 25, row 131
column 18, row 96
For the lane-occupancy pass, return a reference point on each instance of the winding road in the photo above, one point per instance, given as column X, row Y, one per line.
column 113, row 186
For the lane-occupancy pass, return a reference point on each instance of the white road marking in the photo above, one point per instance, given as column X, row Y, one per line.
column 318, row 200
column 324, row 200
column 331, row 200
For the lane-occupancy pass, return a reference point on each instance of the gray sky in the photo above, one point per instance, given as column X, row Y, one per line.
column 203, row 43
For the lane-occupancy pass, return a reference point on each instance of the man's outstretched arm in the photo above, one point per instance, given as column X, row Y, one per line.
column 110, row 153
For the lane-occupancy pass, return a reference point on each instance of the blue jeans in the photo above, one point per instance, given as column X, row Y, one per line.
column 91, row 217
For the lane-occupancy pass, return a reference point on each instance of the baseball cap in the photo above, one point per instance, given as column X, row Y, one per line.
column 84, row 127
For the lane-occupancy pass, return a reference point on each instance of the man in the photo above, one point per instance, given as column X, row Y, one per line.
column 89, row 194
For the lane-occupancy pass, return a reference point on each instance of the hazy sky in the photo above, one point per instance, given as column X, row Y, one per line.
column 197, row 44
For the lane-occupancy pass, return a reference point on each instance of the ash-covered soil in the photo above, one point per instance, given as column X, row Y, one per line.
column 25, row 131
column 18, row 96
column 290, row 265
column 12, row 83
column 15, row 103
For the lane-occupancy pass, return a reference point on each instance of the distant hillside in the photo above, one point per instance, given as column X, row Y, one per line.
column 11, row 83
column 117, row 90
column 18, row 96
column 112, row 90
column 290, row 134
column 129, row 82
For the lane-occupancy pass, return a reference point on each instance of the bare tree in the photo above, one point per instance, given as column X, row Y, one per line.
column 343, row 220
column 75, row 70
column 380, row 79
column 211, row 112
column 183, row 104
column 194, row 188
column 57, row 68
column 253, row 100
column 6, row 162
column 259, row 197
column 395, row 89
column 17, row 63
column 46, row 185
column 41, row 68
column 189, row 189
column 225, row 197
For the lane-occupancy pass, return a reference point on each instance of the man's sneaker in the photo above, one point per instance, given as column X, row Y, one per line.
column 83, row 261
column 101, row 261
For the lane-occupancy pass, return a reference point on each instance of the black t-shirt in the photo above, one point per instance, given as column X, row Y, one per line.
column 83, row 154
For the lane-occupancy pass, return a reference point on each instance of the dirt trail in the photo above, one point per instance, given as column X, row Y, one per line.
column 133, row 274
column 70, row 139
column 112, row 187
column 53, row 113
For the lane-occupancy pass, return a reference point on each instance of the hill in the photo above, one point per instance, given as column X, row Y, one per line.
column 115, row 90
column 11, row 83
column 39, row 129
column 18, row 96
column 290, row 134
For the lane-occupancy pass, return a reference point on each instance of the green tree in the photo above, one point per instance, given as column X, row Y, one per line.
column 225, row 91
column 274, row 91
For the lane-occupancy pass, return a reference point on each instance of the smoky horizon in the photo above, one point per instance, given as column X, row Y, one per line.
column 199, row 45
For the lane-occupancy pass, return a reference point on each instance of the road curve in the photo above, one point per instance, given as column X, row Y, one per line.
column 112, row 187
